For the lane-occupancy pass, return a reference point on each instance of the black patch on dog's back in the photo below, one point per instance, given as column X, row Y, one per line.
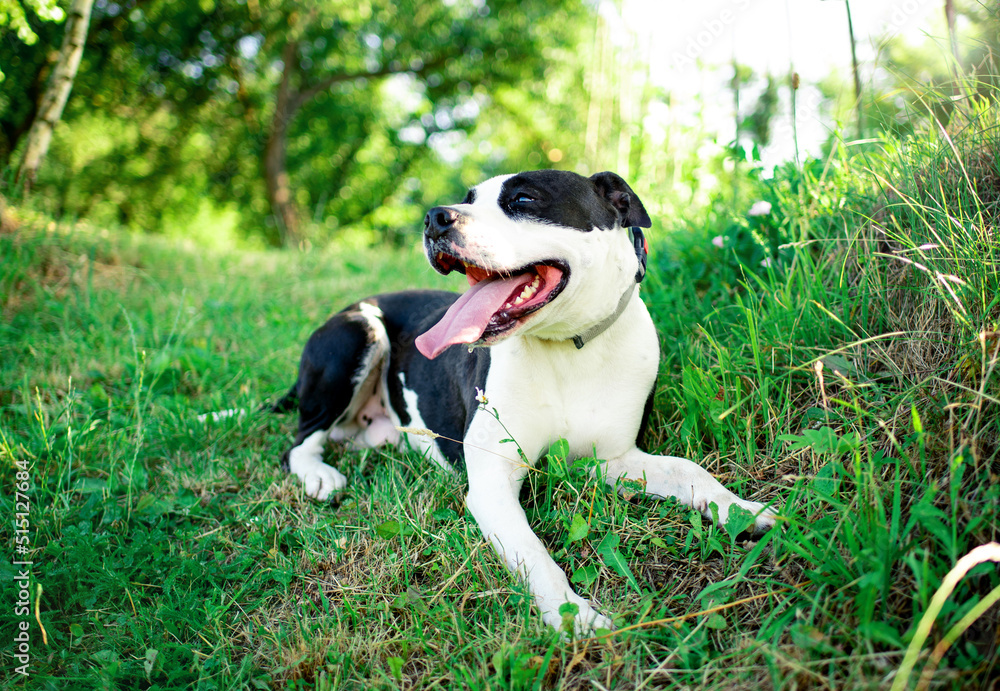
column 445, row 386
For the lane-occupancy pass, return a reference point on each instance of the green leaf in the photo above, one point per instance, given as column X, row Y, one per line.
column 498, row 660
column 445, row 515
column 388, row 529
column 568, row 612
column 570, row 609
column 559, row 449
column 738, row 521
column 585, row 575
column 716, row 621
column 150, row 661
column 411, row 599
column 578, row 529
column 848, row 443
column 823, row 441
column 842, row 366
column 608, row 551
column 392, row 528
column 826, row 483
column 153, row 505
column 933, row 520
column 104, row 656
column 396, row 667
column 882, row 632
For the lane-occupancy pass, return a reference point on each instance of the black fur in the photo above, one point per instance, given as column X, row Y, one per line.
column 445, row 386
column 640, row 436
column 567, row 199
column 324, row 387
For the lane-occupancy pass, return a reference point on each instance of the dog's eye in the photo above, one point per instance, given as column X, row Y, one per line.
column 523, row 198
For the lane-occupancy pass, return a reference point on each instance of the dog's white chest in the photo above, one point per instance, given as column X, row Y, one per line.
column 591, row 397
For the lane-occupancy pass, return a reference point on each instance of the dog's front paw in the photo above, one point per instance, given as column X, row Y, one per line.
column 585, row 622
column 320, row 480
column 763, row 516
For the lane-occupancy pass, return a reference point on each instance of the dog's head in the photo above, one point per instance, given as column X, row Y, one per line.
column 547, row 253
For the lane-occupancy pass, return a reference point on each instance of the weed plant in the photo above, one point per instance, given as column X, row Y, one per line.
column 837, row 356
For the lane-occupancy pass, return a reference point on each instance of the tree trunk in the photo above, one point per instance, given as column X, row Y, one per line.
column 949, row 15
column 855, row 71
column 279, row 189
column 293, row 93
column 54, row 100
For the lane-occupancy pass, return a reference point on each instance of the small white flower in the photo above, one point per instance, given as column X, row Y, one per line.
column 481, row 397
column 719, row 241
column 761, row 208
column 767, row 263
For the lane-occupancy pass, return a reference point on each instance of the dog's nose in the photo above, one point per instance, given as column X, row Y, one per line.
column 439, row 221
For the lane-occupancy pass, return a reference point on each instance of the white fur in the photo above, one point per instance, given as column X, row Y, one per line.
column 422, row 444
column 373, row 316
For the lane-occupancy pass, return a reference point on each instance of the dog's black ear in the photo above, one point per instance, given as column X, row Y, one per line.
column 620, row 195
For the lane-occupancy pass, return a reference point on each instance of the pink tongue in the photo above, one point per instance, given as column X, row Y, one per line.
column 466, row 319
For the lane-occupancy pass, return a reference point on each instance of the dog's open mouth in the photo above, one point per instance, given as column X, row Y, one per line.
column 495, row 303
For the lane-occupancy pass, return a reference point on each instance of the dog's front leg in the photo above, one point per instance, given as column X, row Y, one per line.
column 686, row 481
column 494, row 484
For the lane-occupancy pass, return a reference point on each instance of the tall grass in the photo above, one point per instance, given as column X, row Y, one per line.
column 837, row 356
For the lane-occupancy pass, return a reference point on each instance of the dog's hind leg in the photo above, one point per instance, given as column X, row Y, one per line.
column 686, row 481
column 339, row 377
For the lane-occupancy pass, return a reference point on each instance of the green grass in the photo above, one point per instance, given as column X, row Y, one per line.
column 854, row 383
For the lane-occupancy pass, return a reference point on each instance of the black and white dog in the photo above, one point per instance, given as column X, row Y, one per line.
column 551, row 332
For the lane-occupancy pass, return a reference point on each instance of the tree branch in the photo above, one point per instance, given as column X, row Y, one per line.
column 389, row 68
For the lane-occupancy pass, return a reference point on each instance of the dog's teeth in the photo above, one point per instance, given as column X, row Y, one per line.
column 528, row 292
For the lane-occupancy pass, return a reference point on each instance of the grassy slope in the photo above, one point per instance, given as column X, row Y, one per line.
column 173, row 554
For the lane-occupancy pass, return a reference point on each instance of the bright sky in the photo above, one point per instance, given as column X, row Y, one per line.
column 765, row 34
column 685, row 39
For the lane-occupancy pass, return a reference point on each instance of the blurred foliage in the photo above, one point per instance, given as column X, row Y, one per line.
column 758, row 123
column 176, row 100
column 12, row 15
column 175, row 123
column 924, row 80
